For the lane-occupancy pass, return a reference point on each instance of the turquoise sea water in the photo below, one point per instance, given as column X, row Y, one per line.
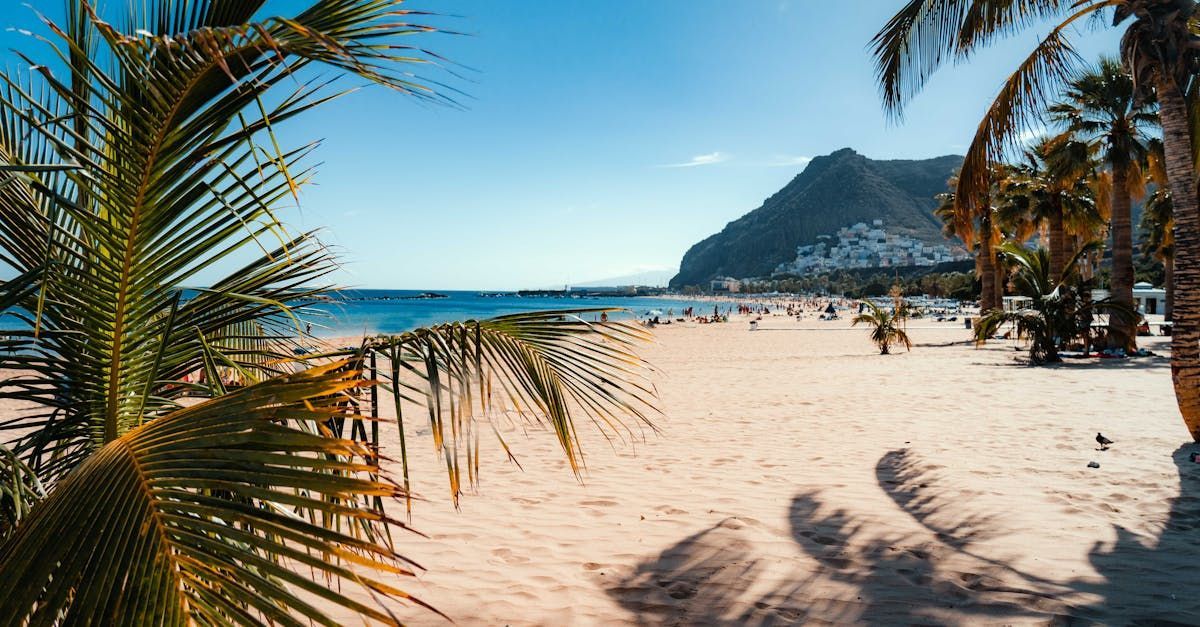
column 370, row 312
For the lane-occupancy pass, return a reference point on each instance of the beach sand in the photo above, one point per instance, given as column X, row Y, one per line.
column 800, row 477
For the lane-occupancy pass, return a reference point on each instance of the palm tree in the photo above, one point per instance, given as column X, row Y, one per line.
column 1158, row 49
column 1159, row 242
column 979, row 232
column 1101, row 108
column 1057, row 313
column 1051, row 186
column 886, row 329
column 147, row 160
column 978, row 238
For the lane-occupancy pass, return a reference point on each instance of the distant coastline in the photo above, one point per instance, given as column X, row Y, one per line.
column 371, row 312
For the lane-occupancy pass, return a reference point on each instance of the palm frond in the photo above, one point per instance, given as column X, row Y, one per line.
column 549, row 366
column 153, row 162
column 926, row 34
column 885, row 325
column 1023, row 98
column 913, row 45
column 19, row 491
column 216, row 514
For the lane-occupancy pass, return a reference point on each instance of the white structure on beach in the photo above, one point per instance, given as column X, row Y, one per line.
column 1146, row 298
column 1149, row 299
column 1015, row 303
column 862, row 246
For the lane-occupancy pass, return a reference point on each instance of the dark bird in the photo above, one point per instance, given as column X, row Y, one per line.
column 1104, row 442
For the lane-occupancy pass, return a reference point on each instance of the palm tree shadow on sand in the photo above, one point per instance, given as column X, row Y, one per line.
column 848, row 570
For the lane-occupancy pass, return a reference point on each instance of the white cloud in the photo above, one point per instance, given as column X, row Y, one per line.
column 705, row 159
column 788, row 161
column 775, row 161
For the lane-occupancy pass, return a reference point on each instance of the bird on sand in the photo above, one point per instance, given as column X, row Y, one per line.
column 1103, row 441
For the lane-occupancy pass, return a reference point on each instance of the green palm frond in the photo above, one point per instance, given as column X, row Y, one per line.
column 1101, row 107
column 551, row 366
column 19, row 491
column 927, row 34
column 153, row 162
column 886, row 328
column 205, row 516
column 1028, row 323
column 1056, row 313
column 1158, row 225
column 1022, row 100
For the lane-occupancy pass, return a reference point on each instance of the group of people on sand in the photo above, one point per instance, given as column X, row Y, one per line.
column 711, row 319
column 751, row 310
column 689, row 314
column 799, row 308
column 824, row 308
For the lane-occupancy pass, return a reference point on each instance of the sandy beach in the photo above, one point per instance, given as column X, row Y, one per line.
column 799, row 477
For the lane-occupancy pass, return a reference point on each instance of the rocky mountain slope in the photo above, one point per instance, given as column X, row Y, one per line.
column 833, row 191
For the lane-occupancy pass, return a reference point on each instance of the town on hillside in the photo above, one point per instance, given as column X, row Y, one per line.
column 863, row 246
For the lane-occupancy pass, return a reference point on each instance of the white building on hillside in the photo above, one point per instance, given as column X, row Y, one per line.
column 862, row 246
column 725, row 284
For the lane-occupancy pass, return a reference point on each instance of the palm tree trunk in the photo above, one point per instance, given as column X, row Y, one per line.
column 1169, row 270
column 987, row 278
column 1001, row 277
column 1181, row 178
column 987, row 266
column 1058, row 243
column 1121, row 331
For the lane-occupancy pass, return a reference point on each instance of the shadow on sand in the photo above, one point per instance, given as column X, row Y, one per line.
column 1021, row 360
column 848, row 570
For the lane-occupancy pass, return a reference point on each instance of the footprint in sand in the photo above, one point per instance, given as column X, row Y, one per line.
column 598, row 503
column 670, row 511
column 789, row 614
column 508, row 557
column 972, row 581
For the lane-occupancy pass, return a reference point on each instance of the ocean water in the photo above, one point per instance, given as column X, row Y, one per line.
column 360, row 312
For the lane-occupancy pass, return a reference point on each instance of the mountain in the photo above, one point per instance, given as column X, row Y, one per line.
column 834, row 191
column 650, row 278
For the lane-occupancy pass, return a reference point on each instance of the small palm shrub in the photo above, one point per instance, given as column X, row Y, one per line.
column 1057, row 313
column 886, row 325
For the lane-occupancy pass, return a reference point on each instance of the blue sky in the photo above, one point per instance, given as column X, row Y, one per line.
column 602, row 138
